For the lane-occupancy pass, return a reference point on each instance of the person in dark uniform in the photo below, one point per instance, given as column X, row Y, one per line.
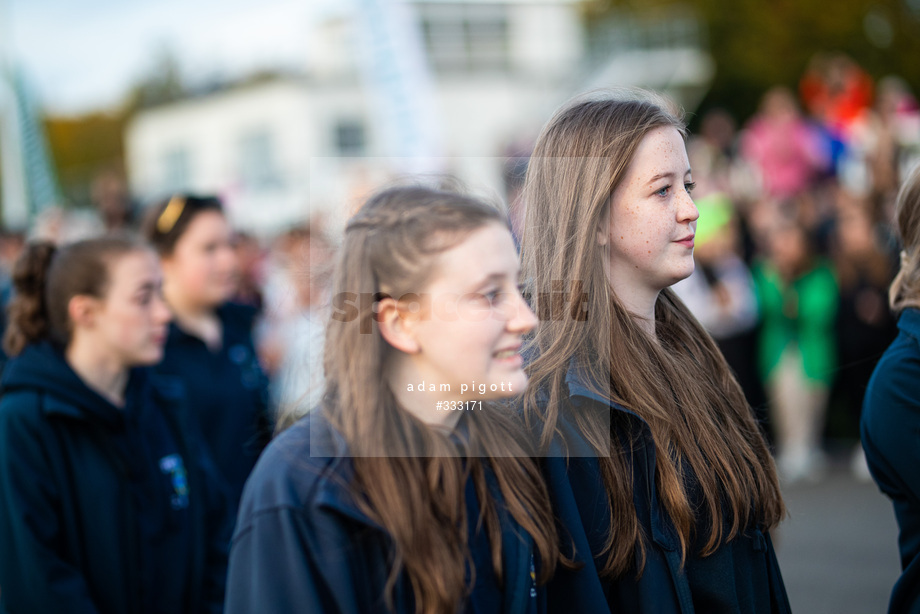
column 106, row 503
column 400, row 493
column 890, row 422
column 661, row 480
column 210, row 345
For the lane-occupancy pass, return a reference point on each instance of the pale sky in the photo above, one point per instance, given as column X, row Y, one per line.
column 82, row 55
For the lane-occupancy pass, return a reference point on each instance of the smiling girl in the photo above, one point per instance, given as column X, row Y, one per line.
column 382, row 500
column 636, row 394
column 104, row 503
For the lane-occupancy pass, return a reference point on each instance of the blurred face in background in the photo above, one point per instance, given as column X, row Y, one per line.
column 779, row 104
column 129, row 323
column 202, row 269
column 789, row 249
column 718, row 246
column 855, row 233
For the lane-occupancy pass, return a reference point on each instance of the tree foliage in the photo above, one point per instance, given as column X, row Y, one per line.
column 757, row 44
column 81, row 146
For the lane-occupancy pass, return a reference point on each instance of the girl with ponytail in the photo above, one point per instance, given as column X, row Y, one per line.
column 890, row 421
column 104, row 504
column 408, row 490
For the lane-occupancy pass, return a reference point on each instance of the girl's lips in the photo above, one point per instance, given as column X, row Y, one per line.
column 509, row 356
column 514, row 360
column 686, row 241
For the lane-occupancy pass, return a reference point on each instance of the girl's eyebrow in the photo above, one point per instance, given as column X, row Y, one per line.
column 495, row 277
column 667, row 176
column 490, row 278
column 144, row 287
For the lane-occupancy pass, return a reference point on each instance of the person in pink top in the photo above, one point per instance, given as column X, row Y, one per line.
column 785, row 149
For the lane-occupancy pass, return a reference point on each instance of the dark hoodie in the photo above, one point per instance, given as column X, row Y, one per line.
column 742, row 575
column 890, row 429
column 227, row 391
column 103, row 509
column 304, row 544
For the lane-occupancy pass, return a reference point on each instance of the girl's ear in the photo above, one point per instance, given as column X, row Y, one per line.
column 602, row 231
column 82, row 309
column 602, row 228
column 396, row 326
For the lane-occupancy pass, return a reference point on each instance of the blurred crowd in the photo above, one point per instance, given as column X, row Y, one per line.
column 795, row 249
column 794, row 253
column 284, row 278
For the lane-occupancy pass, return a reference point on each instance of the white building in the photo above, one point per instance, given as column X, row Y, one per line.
column 280, row 150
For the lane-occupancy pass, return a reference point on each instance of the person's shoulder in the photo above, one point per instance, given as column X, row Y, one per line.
column 905, row 348
column 22, row 385
column 24, row 426
column 294, row 468
column 909, row 328
column 20, row 406
column 892, row 389
column 901, row 358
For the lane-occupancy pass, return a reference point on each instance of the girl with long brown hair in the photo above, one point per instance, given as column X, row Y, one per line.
column 407, row 490
column 660, row 478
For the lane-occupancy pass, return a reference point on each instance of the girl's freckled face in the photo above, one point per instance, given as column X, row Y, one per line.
column 652, row 219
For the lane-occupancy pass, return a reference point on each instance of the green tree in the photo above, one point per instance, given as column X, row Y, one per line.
column 82, row 146
column 757, row 44
column 161, row 84
column 85, row 145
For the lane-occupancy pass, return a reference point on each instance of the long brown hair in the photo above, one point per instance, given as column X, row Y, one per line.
column 412, row 476
column 702, row 419
column 905, row 289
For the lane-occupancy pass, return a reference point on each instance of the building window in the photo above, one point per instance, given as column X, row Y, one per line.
column 349, row 138
column 176, row 169
column 258, row 168
column 466, row 37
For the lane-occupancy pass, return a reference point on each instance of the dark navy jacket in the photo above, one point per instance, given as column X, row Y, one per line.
column 890, row 427
column 302, row 544
column 102, row 510
column 742, row 576
column 228, row 392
